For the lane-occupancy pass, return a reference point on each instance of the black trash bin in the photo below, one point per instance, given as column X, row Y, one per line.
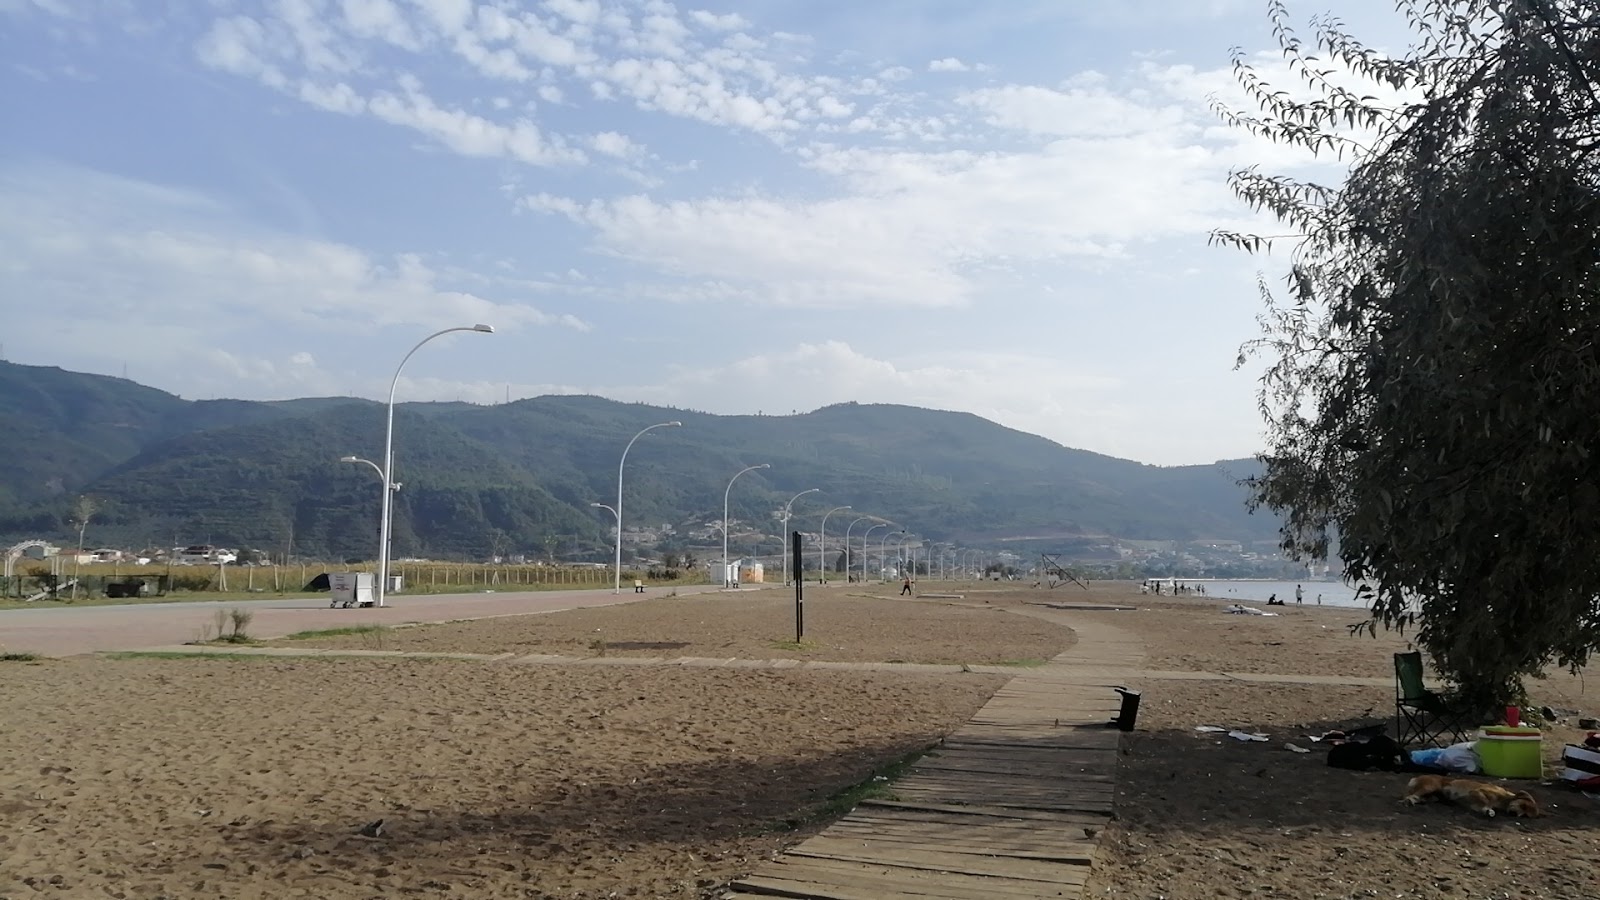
column 1130, row 709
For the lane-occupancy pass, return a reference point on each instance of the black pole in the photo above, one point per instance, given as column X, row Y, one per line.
column 799, row 591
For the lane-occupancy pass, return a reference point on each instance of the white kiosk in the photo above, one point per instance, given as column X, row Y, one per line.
column 350, row 589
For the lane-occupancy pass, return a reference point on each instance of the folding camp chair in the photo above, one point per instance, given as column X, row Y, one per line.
column 1423, row 716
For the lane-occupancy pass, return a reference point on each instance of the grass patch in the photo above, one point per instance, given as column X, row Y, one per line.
column 797, row 646
column 1021, row 663
column 877, row 786
column 228, row 626
column 19, row 657
column 335, row 632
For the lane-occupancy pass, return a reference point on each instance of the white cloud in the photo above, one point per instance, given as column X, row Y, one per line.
column 1060, row 400
column 1103, row 170
column 728, row 22
column 472, row 135
column 240, row 45
column 379, row 19
column 952, row 64
column 614, row 144
column 106, row 248
column 1094, row 110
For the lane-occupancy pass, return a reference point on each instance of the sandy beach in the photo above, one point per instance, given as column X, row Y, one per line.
column 253, row 777
column 842, row 625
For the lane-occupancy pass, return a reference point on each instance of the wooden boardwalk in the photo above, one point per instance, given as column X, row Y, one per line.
column 1009, row 806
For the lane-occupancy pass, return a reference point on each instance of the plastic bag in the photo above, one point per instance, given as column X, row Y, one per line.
column 1461, row 757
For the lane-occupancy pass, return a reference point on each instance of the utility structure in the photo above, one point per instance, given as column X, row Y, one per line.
column 387, row 511
column 617, row 510
column 1052, row 573
column 727, row 581
column 849, row 573
column 787, row 509
column 884, row 523
column 822, row 546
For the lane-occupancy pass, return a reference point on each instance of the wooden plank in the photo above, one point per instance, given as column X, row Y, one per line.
column 1078, row 852
column 1045, row 834
column 1045, row 736
column 983, row 825
column 817, row 882
column 1069, row 827
column 989, row 765
column 1063, row 805
column 766, row 886
column 1106, row 756
column 937, row 860
column 966, row 779
column 948, row 885
column 984, row 809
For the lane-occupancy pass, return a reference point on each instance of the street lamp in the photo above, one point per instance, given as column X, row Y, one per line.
column 388, row 459
column 905, row 541
column 847, row 530
column 375, row 467
column 785, row 553
column 822, row 546
column 869, row 530
column 369, row 463
column 883, row 547
column 725, row 582
column 617, row 589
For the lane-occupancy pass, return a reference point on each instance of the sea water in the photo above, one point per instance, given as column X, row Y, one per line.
column 1333, row 593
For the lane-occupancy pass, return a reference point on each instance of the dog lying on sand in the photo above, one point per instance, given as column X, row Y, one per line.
column 1489, row 799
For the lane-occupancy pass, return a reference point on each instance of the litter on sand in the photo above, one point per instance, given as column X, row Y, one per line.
column 1295, row 748
column 1247, row 736
column 1210, row 729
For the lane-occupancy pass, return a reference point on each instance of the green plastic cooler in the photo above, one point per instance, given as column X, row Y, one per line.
column 1507, row 751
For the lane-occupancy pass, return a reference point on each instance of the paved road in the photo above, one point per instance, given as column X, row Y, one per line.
column 70, row 630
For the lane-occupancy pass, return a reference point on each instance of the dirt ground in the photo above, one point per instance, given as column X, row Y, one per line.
column 840, row 626
column 252, row 778
column 1201, row 816
column 1194, row 635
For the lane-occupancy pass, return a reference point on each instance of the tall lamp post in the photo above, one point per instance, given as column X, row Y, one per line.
column 905, row 542
column 617, row 588
column 822, row 545
column 375, row 467
column 388, row 458
column 370, row 464
column 725, row 581
column 883, row 546
column 848, row 528
column 869, row 529
column 786, row 508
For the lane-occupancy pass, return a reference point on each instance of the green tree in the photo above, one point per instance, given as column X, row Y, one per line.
column 1433, row 370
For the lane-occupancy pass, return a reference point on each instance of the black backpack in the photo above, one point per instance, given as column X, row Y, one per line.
column 1377, row 752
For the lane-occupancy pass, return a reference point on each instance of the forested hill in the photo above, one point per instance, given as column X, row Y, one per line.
column 520, row 477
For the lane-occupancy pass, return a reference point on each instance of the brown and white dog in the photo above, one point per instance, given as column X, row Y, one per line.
column 1489, row 799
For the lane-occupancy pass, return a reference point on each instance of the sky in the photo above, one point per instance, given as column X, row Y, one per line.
column 734, row 207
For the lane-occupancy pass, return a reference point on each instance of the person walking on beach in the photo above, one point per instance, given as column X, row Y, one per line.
column 1299, row 596
column 906, row 588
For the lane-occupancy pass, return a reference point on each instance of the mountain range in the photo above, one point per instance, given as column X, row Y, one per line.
column 520, row 477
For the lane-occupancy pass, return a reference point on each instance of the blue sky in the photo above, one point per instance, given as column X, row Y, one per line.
column 733, row 207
